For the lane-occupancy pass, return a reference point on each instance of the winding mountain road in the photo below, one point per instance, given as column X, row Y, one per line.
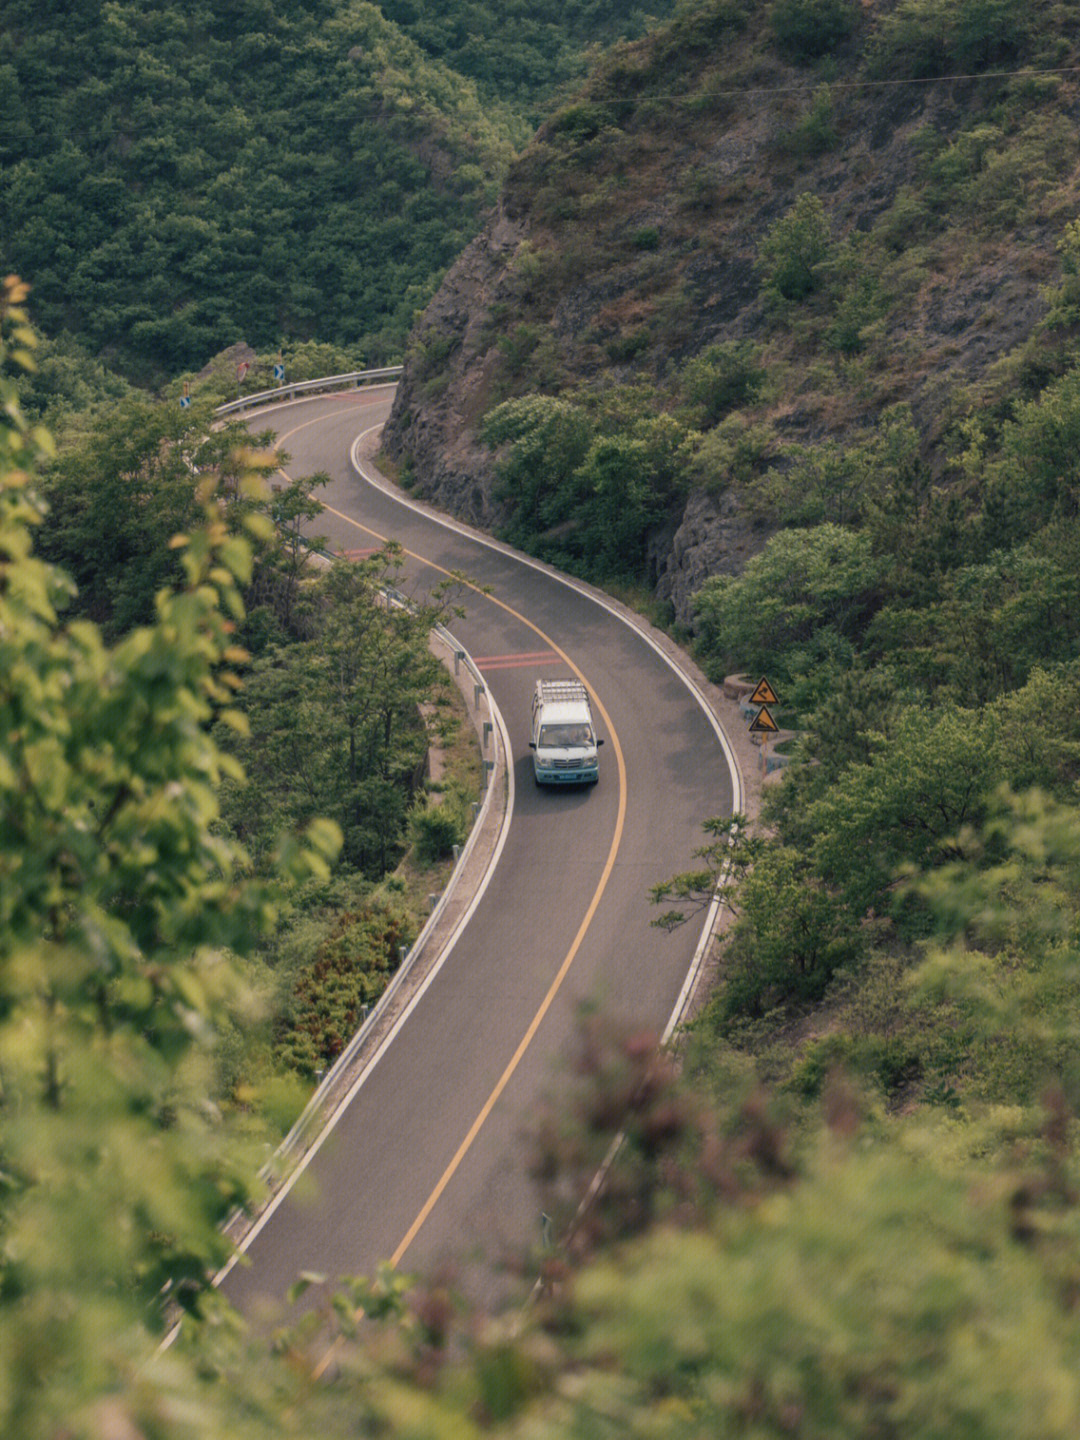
column 427, row 1164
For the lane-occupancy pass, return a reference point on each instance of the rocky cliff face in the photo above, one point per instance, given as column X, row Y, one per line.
column 432, row 427
column 628, row 240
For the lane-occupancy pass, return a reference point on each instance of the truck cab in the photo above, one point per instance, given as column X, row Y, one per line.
column 564, row 741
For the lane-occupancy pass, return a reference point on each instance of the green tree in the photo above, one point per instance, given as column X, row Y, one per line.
column 335, row 718
column 928, row 37
column 914, row 804
column 118, row 498
column 991, row 623
column 1038, row 468
column 803, row 588
column 881, row 1293
column 791, row 257
column 541, row 442
column 807, row 29
column 723, row 378
column 1003, row 947
column 790, row 934
column 119, row 903
column 285, row 563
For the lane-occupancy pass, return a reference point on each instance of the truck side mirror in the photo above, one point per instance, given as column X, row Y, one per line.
column 599, row 741
column 532, row 744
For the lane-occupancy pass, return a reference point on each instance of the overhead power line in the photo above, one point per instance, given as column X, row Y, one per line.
column 841, row 85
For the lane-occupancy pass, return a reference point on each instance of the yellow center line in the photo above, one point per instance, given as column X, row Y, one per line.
column 564, row 968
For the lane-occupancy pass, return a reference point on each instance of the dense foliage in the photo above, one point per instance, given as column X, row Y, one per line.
column 117, row 498
column 333, row 705
column 520, row 51
column 700, row 222
column 785, row 346
column 930, row 651
column 118, row 900
column 888, row 1241
column 733, row 1272
column 180, row 178
column 583, row 487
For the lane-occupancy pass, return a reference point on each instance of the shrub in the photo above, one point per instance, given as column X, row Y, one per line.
column 905, row 222
column 924, row 38
column 795, row 249
column 807, row 29
column 625, row 347
column 815, row 132
column 803, row 584
column 790, row 939
column 733, row 453
column 723, row 378
column 580, row 122
column 349, row 972
column 434, row 831
column 989, row 32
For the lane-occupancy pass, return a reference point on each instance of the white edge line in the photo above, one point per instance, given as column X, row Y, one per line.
column 590, row 594
column 693, row 972
column 341, row 1065
column 361, row 1079
column 712, row 914
column 335, row 1115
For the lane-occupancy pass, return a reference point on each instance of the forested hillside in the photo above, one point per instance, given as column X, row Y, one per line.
column 774, row 329
column 782, row 222
column 521, row 51
column 177, row 178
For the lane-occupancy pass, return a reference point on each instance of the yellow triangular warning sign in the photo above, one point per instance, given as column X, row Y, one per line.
column 764, row 694
column 763, row 721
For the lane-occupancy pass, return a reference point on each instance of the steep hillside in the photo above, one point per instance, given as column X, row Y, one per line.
column 780, row 322
column 521, row 51
column 174, row 179
column 783, row 220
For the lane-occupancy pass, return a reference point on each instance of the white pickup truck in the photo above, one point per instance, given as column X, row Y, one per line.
column 564, row 742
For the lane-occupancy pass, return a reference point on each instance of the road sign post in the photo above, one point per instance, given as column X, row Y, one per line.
column 763, row 723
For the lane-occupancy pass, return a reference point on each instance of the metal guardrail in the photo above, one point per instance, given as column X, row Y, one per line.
column 490, row 732
column 355, row 378
column 314, row 1111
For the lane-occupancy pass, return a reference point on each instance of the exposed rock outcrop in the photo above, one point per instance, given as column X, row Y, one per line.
column 632, row 246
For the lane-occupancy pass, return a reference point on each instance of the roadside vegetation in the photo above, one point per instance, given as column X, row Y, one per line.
column 849, row 1204
column 337, row 700
column 177, row 179
column 795, row 1261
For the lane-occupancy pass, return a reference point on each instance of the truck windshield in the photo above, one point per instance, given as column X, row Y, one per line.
column 555, row 737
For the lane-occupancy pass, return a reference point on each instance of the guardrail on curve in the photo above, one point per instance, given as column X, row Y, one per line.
column 355, row 379
column 314, row 1110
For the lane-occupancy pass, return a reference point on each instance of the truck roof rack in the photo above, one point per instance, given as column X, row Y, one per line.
column 555, row 690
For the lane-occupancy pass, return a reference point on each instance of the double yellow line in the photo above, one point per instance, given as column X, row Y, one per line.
column 571, row 954
column 564, row 968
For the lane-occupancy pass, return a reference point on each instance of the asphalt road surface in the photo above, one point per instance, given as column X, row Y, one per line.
column 427, row 1165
